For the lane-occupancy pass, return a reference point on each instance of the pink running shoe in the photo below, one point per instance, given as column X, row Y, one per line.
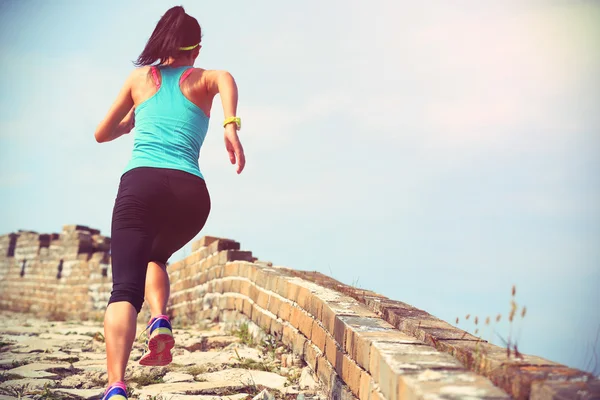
column 159, row 344
column 116, row 391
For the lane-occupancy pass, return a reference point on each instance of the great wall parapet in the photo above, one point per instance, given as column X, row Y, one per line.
column 359, row 343
column 55, row 275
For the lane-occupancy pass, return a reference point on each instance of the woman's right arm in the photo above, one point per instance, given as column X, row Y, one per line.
column 222, row 82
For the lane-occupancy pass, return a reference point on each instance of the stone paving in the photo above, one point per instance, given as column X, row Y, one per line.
column 42, row 359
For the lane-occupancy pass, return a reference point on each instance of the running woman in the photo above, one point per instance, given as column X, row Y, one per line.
column 162, row 201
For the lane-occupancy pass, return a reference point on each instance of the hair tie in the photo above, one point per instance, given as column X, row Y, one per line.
column 190, row 47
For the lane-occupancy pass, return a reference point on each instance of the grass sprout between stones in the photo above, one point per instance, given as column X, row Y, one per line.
column 243, row 332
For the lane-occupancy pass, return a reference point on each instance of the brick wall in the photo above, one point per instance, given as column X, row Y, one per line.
column 360, row 344
column 58, row 276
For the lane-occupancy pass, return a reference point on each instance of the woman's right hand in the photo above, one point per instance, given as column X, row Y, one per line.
column 234, row 147
column 127, row 124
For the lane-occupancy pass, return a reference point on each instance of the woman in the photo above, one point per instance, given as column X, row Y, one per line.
column 162, row 202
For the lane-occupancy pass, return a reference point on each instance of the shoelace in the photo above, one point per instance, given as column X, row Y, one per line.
column 145, row 331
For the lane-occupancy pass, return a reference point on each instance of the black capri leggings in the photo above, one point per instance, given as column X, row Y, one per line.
column 157, row 211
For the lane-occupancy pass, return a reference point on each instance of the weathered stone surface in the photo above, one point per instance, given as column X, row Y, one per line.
column 78, row 370
column 264, row 395
column 80, row 393
column 209, row 397
column 244, row 377
column 28, row 383
column 37, row 370
column 448, row 384
column 239, row 396
column 204, row 343
column 173, row 377
column 190, row 388
column 307, row 380
column 578, row 390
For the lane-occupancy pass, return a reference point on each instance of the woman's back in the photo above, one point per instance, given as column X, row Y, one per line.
column 170, row 126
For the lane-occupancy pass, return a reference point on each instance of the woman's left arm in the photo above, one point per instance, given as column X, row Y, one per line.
column 120, row 118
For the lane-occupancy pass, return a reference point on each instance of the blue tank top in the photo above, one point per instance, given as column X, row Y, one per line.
column 169, row 128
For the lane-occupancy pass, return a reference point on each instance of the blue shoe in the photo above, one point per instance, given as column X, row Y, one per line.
column 116, row 391
column 160, row 342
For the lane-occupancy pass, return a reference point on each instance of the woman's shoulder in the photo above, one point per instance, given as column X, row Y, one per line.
column 139, row 73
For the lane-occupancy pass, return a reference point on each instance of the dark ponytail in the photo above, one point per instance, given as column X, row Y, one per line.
column 174, row 30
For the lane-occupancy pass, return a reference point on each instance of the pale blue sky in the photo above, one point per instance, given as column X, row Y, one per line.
column 435, row 153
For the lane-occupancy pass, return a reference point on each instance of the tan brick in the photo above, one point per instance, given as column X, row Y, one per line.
column 277, row 329
column 287, row 337
column 315, row 307
column 226, row 285
column 332, row 352
column 366, row 386
column 272, row 282
column 303, row 297
column 220, row 302
column 244, row 287
column 305, row 324
column 262, row 299
column 318, row 335
column 311, row 354
column 247, row 308
column 218, row 286
column 295, row 316
column 328, row 318
column 231, row 269
column 350, row 374
column 231, row 302
column 283, row 288
column 203, row 242
column 176, row 266
column 193, row 258
column 284, row 311
column 239, row 304
column 234, row 255
column 252, row 270
column 325, row 372
column 253, row 292
column 293, row 289
column 298, row 343
column 261, row 278
column 204, row 265
column 209, row 262
column 274, row 304
column 358, row 343
column 219, row 271
column 264, row 321
column 203, row 278
column 222, row 244
column 256, row 314
column 236, row 285
column 243, row 269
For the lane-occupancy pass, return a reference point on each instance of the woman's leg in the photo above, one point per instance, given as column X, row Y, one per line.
column 157, row 288
column 133, row 231
column 119, row 333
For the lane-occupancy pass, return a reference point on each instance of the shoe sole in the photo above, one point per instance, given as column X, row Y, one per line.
column 160, row 344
